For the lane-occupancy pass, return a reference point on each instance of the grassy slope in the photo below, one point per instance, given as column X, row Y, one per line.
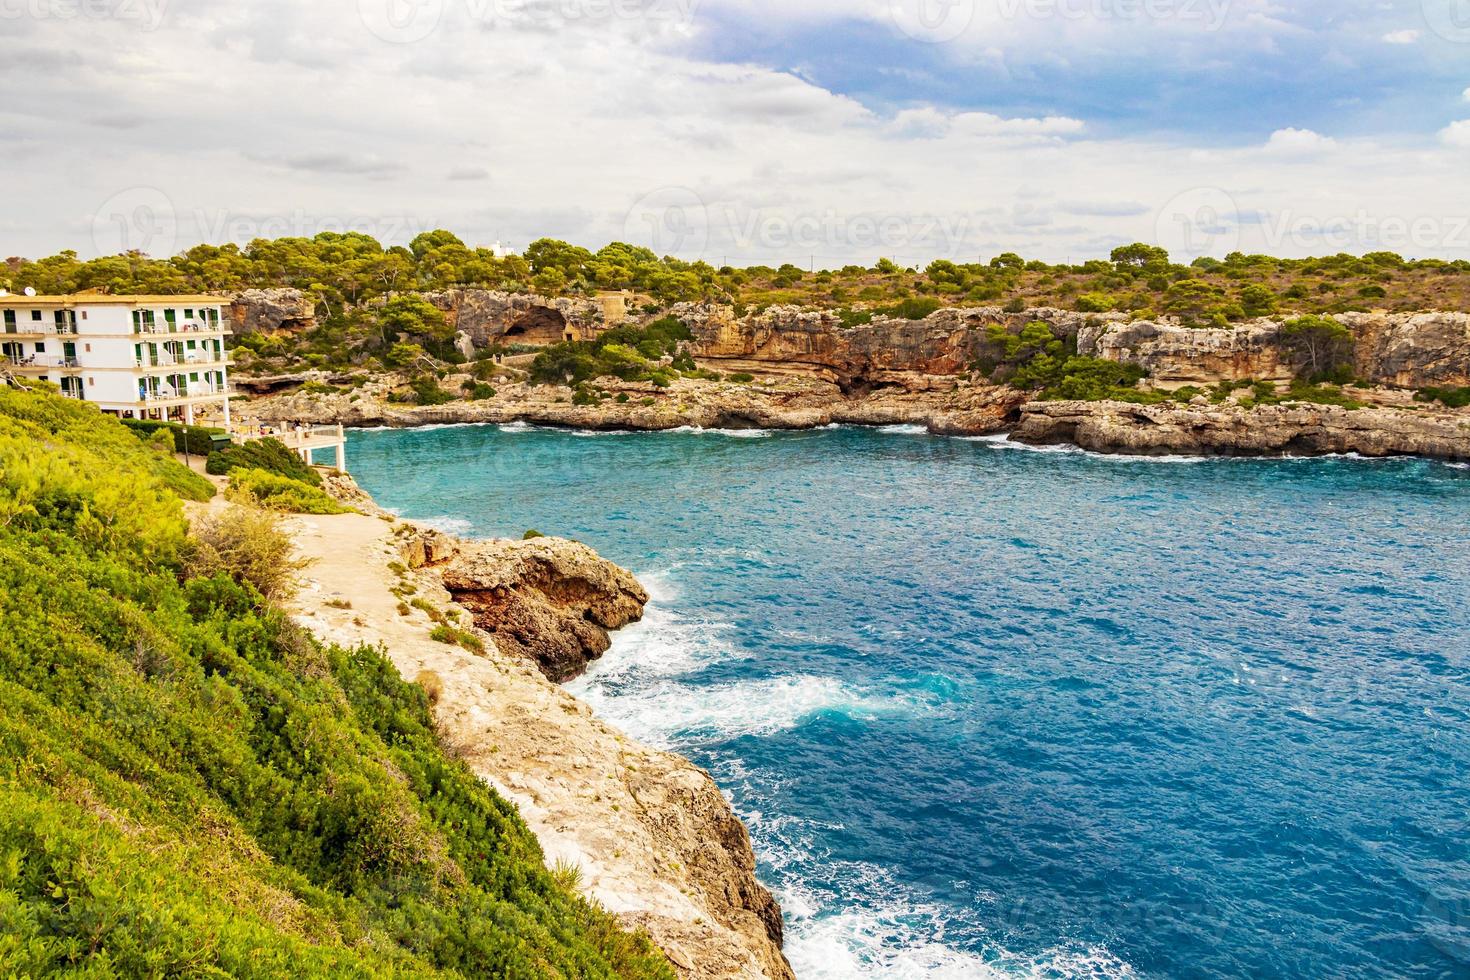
column 189, row 785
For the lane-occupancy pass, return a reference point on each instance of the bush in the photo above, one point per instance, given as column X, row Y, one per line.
column 193, row 439
column 270, row 455
column 913, row 309
column 248, row 545
column 281, row 493
column 191, row 786
column 1450, row 397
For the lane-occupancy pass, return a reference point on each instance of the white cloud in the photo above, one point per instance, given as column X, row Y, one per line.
column 1408, row 36
column 609, row 130
column 1456, row 134
column 1299, row 142
column 1466, row 95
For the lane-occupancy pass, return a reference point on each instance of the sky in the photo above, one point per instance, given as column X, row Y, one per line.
column 818, row 132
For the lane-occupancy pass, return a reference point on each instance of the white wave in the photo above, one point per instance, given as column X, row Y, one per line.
column 903, row 430
column 515, row 427
column 1458, row 466
column 457, row 526
column 666, row 713
column 897, row 942
column 732, row 433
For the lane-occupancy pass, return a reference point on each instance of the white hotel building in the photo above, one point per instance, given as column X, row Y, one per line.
column 161, row 357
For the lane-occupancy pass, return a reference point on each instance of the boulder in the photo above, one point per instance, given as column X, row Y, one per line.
column 548, row 600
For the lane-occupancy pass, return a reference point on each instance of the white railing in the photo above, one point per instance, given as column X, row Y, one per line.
column 193, row 391
column 191, row 327
column 43, row 361
column 41, row 329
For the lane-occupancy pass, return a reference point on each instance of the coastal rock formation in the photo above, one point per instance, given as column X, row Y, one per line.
column 653, row 838
column 489, row 317
column 790, row 339
column 1413, row 350
column 1171, row 353
column 269, row 310
column 547, row 600
column 1298, row 429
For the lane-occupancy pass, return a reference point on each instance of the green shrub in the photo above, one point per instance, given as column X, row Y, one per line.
column 193, row 439
column 1450, row 397
column 270, row 455
column 913, row 309
column 275, row 492
column 191, row 786
column 740, row 377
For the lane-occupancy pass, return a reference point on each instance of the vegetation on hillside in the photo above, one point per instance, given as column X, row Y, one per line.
column 372, row 311
column 191, row 786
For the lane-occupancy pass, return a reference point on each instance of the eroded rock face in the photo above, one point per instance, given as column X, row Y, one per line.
column 548, row 600
column 787, row 338
column 1413, row 350
column 489, row 317
column 269, row 310
column 1119, row 427
column 1171, row 353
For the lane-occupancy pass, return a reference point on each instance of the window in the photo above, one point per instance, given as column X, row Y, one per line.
column 170, row 317
column 40, row 348
column 91, row 381
column 188, row 314
column 84, row 314
column 87, row 348
column 10, row 321
column 35, row 315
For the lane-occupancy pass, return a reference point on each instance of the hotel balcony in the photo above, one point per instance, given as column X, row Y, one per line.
column 42, row 363
column 190, row 326
column 40, row 330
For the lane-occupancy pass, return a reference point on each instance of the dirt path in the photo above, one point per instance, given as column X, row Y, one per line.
column 653, row 838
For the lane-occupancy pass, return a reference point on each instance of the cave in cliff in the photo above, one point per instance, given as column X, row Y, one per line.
column 541, row 325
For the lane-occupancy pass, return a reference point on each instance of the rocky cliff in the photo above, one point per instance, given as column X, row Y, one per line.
column 269, row 310
column 649, row 834
column 548, row 600
column 1230, row 430
column 1409, row 350
column 488, row 317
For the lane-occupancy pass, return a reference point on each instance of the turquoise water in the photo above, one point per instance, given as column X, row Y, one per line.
column 994, row 711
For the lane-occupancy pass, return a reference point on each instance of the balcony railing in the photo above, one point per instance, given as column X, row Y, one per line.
column 191, row 326
column 41, row 329
column 165, row 360
column 43, row 361
column 192, row 391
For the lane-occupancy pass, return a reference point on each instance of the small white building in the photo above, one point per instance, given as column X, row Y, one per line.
column 159, row 357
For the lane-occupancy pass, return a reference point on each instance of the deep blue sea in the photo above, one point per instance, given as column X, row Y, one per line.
column 993, row 711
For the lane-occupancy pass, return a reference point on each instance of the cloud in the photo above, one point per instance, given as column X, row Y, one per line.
column 614, row 130
column 1456, row 134
column 1401, row 37
column 1466, row 95
column 1299, row 142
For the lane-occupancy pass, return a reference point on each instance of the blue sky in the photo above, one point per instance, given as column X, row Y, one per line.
column 1223, row 75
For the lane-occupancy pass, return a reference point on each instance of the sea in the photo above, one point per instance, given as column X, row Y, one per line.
column 997, row 711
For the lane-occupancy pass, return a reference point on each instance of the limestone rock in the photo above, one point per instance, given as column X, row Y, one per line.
column 269, row 310
column 1293, row 429
column 548, row 600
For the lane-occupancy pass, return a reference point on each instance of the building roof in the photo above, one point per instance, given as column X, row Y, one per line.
column 102, row 299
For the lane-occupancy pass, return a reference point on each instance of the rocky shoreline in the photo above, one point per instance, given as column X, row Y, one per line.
column 487, row 627
column 1392, row 425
